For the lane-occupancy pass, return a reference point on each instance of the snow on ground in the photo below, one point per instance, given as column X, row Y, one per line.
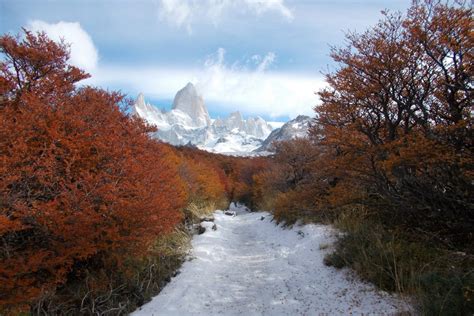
column 250, row 266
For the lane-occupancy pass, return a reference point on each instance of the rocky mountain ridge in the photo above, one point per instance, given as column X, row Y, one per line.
column 296, row 128
column 189, row 123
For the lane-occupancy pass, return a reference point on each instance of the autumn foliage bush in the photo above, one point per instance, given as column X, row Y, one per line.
column 80, row 180
column 394, row 129
column 396, row 120
column 217, row 177
column 91, row 208
column 393, row 137
column 292, row 186
column 204, row 183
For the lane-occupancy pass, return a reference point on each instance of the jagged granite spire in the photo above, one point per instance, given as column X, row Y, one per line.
column 190, row 102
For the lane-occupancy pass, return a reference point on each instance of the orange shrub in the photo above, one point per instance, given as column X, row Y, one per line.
column 203, row 181
column 78, row 177
column 395, row 123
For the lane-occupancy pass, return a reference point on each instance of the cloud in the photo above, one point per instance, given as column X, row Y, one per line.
column 266, row 62
column 177, row 12
column 230, row 86
column 184, row 13
column 84, row 54
column 257, row 90
column 261, row 7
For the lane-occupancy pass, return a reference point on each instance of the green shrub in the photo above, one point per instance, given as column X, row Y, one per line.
column 444, row 293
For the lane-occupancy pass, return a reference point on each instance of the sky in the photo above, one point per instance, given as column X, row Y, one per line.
column 260, row 57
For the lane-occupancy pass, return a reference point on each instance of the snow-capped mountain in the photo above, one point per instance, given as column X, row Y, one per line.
column 188, row 122
column 188, row 101
column 296, row 128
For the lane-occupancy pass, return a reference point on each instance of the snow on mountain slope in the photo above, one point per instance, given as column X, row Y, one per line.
column 250, row 266
column 189, row 123
column 149, row 113
column 296, row 128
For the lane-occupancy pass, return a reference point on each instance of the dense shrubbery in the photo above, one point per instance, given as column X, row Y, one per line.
column 394, row 130
column 441, row 280
column 230, row 178
column 81, row 183
column 396, row 121
column 90, row 206
column 290, row 185
column 392, row 140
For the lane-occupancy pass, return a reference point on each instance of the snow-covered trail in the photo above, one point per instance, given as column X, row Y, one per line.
column 250, row 266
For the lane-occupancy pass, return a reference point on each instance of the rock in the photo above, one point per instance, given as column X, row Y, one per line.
column 255, row 126
column 234, row 121
column 201, row 230
column 258, row 127
column 198, row 229
column 230, row 213
column 207, row 219
column 208, row 225
column 214, row 227
column 190, row 102
column 262, row 218
column 221, row 140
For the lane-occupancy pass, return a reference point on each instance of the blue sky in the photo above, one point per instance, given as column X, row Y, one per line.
column 262, row 57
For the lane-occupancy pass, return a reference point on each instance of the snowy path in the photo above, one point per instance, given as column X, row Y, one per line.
column 250, row 266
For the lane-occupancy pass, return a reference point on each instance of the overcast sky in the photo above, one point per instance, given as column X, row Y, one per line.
column 262, row 57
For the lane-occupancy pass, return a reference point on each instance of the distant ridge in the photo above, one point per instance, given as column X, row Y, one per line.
column 296, row 128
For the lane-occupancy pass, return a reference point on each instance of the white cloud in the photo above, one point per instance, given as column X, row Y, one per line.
column 266, row 62
column 256, row 90
column 230, row 86
column 177, row 12
column 184, row 13
column 260, row 7
column 83, row 52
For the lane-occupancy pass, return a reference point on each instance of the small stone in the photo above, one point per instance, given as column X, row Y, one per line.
column 207, row 219
column 201, row 230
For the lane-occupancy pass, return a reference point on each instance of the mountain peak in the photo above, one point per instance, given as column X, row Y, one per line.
column 190, row 89
column 188, row 101
column 301, row 118
column 189, row 123
column 236, row 115
column 140, row 99
column 190, row 86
